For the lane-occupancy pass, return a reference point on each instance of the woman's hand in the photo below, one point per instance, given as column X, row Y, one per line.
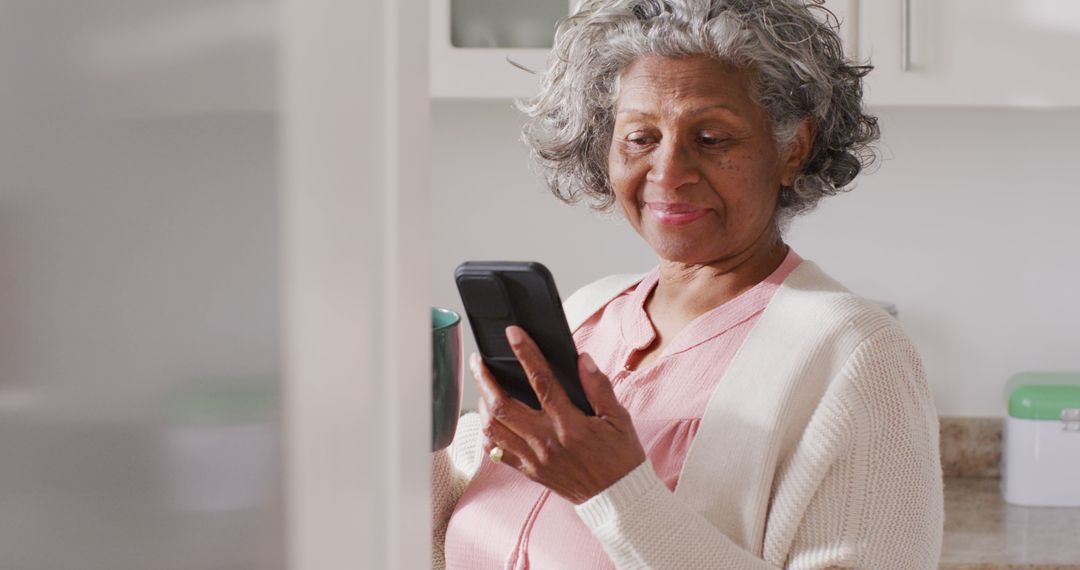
column 574, row 455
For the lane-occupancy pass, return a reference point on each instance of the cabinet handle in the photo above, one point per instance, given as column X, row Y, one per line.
column 905, row 37
column 520, row 66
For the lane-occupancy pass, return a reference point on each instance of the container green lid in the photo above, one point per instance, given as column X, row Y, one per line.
column 1042, row 395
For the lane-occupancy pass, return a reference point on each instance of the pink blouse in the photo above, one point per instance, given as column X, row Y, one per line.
column 504, row 520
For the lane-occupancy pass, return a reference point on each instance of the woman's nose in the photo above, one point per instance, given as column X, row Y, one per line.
column 673, row 166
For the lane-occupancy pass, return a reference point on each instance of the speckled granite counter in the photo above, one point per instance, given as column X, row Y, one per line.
column 983, row 532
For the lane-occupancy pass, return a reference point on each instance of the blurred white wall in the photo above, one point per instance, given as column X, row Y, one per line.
column 135, row 255
column 138, row 285
column 970, row 226
column 156, row 287
column 137, row 245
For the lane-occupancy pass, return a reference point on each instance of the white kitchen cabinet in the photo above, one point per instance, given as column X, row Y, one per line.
column 462, row 69
column 972, row 53
column 847, row 13
column 479, row 47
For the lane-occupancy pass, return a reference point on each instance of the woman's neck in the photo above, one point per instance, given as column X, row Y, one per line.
column 691, row 289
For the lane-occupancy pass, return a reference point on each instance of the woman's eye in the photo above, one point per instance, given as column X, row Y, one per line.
column 640, row 140
column 711, row 140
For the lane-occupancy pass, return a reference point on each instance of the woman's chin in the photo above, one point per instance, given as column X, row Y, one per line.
column 680, row 243
column 679, row 250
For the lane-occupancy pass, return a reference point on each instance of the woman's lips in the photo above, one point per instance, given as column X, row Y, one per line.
column 675, row 214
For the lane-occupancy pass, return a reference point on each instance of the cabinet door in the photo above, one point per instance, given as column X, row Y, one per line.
column 491, row 49
column 847, row 13
column 1010, row 53
column 462, row 72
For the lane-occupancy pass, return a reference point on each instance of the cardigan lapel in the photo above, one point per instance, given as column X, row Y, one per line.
column 762, row 405
column 764, row 399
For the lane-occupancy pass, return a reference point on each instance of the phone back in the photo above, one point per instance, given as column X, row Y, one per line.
column 497, row 294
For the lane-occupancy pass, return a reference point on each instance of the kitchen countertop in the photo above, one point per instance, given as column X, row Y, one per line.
column 983, row 532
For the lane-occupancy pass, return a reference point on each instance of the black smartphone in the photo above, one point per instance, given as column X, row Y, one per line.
column 497, row 294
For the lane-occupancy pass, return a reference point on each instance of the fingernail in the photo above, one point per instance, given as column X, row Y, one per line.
column 474, row 360
column 587, row 360
column 513, row 334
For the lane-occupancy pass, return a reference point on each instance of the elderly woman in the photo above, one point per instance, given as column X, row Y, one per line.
column 750, row 411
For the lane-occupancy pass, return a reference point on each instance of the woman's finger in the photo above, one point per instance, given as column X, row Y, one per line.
column 499, row 402
column 515, row 451
column 598, row 389
column 553, row 398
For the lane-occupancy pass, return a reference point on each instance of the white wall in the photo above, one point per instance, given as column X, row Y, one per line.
column 137, row 246
column 138, row 277
column 136, row 257
column 970, row 226
column 144, row 250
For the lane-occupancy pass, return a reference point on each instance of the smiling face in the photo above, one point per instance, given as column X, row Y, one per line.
column 694, row 162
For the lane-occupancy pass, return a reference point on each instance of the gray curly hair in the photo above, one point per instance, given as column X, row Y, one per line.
column 792, row 46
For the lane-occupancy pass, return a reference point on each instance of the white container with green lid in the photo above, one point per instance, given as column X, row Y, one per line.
column 1041, row 462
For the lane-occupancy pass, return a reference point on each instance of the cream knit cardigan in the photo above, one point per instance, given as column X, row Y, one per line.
column 818, row 449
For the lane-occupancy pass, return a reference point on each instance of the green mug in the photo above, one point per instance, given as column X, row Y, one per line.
column 445, row 376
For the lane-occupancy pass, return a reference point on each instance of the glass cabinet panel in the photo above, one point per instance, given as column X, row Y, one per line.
column 504, row 23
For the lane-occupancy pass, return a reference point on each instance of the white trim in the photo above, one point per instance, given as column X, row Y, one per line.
column 355, row 321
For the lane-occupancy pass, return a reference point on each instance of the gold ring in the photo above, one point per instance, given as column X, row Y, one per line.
column 496, row 454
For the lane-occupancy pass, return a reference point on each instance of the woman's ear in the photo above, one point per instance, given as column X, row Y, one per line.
column 798, row 151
